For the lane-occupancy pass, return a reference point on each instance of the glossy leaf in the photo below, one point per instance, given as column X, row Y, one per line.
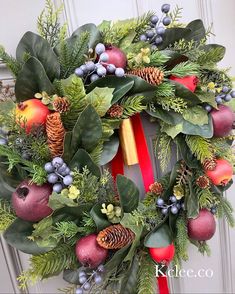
column 116, row 259
column 32, row 79
column 71, row 276
column 197, row 30
column 128, row 193
column 82, row 159
column 110, row 149
column 192, row 202
column 121, row 86
column 99, row 218
column 57, row 201
column 160, row 237
column 141, row 87
column 196, row 115
column 39, row 48
column 172, row 35
column 17, row 235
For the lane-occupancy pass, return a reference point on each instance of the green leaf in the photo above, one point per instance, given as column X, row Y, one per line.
column 104, row 25
column 142, row 88
column 116, row 259
column 39, row 48
column 17, row 236
column 127, row 40
column 207, row 97
column 110, row 149
column 197, row 29
column 82, row 159
column 87, row 131
column 128, row 192
column 121, row 86
column 57, row 201
column 160, row 237
column 172, row 131
column 32, row 79
column 196, row 115
column 172, row 35
column 94, row 34
column 100, row 99
column 71, row 213
column 128, row 221
column 130, row 280
column 192, row 203
column 99, row 218
column 173, row 175
column 213, row 54
column 72, row 276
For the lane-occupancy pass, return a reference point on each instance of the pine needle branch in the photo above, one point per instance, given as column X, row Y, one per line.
column 146, row 276
column 157, row 58
column 176, row 15
column 182, row 69
column 7, row 214
column 13, row 65
column 200, row 147
column 132, row 105
column 165, row 90
column 225, row 209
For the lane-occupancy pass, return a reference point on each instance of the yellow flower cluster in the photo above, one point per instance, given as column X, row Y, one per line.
column 113, row 213
column 72, row 192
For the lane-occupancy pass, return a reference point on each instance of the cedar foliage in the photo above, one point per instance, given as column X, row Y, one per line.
column 7, row 214
column 13, row 65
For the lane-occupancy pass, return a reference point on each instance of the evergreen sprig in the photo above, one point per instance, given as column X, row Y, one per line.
column 96, row 152
column 48, row 23
column 13, row 65
column 163, row 150
column 87, row 225
column 182, row 69
column 217, row 76
column 200, row 147
column 176, row 15
column 48, row 264
column 65, row 230
column 225, row 209
column 202, row 246
column 176, row 104
column 211, row 57
column 206, row 197
column 157, row 58
column 132, row 105
column 146, row 276
column 7, row 214
column 165, row 89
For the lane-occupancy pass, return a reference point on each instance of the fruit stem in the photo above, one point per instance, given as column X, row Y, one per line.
column 22, row 106
column 22, row 192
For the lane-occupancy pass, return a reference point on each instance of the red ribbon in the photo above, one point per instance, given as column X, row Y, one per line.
column 146, row 168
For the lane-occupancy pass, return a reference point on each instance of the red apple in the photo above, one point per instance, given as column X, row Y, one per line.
column 222, row 173
column 189, row 82
column 89, row 253
column 222, row 119
column 162, row 254
column 30, row 201
column 31, row 112
column 116, row 56
column 203, row 227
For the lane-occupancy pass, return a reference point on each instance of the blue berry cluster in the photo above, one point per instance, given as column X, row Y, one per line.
column 154, row 34
column 173, row 207
column 3, row 136
column 59, row 174
column 225, row 95
column 100, row 69
column 85, row 281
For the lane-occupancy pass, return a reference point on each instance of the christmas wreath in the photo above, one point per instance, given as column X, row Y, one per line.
column 77, row 97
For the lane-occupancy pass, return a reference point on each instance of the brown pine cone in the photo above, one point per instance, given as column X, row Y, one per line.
column 203, row 182
column 61, row 104
column 152, row 75
column 115, row 111
column 55, row 134
column 156, row 188
column 115, row 237
column 209, row 164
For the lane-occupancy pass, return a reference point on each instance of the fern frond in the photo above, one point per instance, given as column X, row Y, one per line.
column 163, row 150
column 225, row 209
column 65, row 230
column 13, row 65
column 183, row 69
column 7, row 214
column 146, row 275
column 223, row 149
column 132, row 105
column 200, row 147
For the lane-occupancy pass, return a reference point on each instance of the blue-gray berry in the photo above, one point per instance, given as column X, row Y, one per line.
column 84, row 68
column 111, row 68
column 160, row 30
column 165, row 8
column 227, row 98
column 104, row 57
column 101, row 71
column 225, row 89
column 82, row 279
column 119, row 72
column 154, row 19
column 160, row 202
column 208, row 108
column 3, row 141
column 166, row 20
column 57, row 162
column 158, row 40
column 164, row 211
column 67, row 180
column 90, row 65
column 99, row 48
column 79, row 291
column 49, row 168
column 174, row 209
column 87, row 286
column 149, row 33
column 52, row 178
column 98, row 279
column 57, row 188
column 232, row 94
column 218, row 99
column 143, row 38
column 94, row 77
column 79, row 72
column 173, row 199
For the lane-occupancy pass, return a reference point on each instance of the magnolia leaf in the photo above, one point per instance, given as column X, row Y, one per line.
column 159, row 237
column 127, row 40
column 100, row 99
column 192, row 202
column 207, row 97
column 110, row 149
column 172, row 131
column 99, row 218
column 196, row 115
column 57, row 201
column 197, row 29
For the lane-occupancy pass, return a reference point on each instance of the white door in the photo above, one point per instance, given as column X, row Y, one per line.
column 20, row 16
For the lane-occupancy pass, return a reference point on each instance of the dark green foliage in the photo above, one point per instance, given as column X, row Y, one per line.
column 65, row 230
column 165, row 90
column 147, row 275
column 200, row 147
column 13, row 65
column 157, row 58
column 217, row 76
column 87, row 225
column 182, row 69
column 7, row 214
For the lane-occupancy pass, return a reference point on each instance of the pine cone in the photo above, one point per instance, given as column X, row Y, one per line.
column 209, row 164
column 152, row 75
column 203, row 182
column 115, row 237
column 156, row 188
column 55, row 134
column 115, row 111
column 61, row 104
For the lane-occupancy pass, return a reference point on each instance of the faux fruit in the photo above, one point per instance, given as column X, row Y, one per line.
column 162, row 254
column 30, row 201
column 222, row 119
column 203, row 227
column 89, row 253
column 189, row 82
column 31, row 113
column 221, row 174
column 116, row 56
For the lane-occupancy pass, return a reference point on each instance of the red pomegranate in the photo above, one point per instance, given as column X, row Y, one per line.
column 222, row 173
column 30, row 201
column 163, row 254
column 222, row 119
column 116, row 56
column 89, row 253
column 203, row 227
column 189, row 82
